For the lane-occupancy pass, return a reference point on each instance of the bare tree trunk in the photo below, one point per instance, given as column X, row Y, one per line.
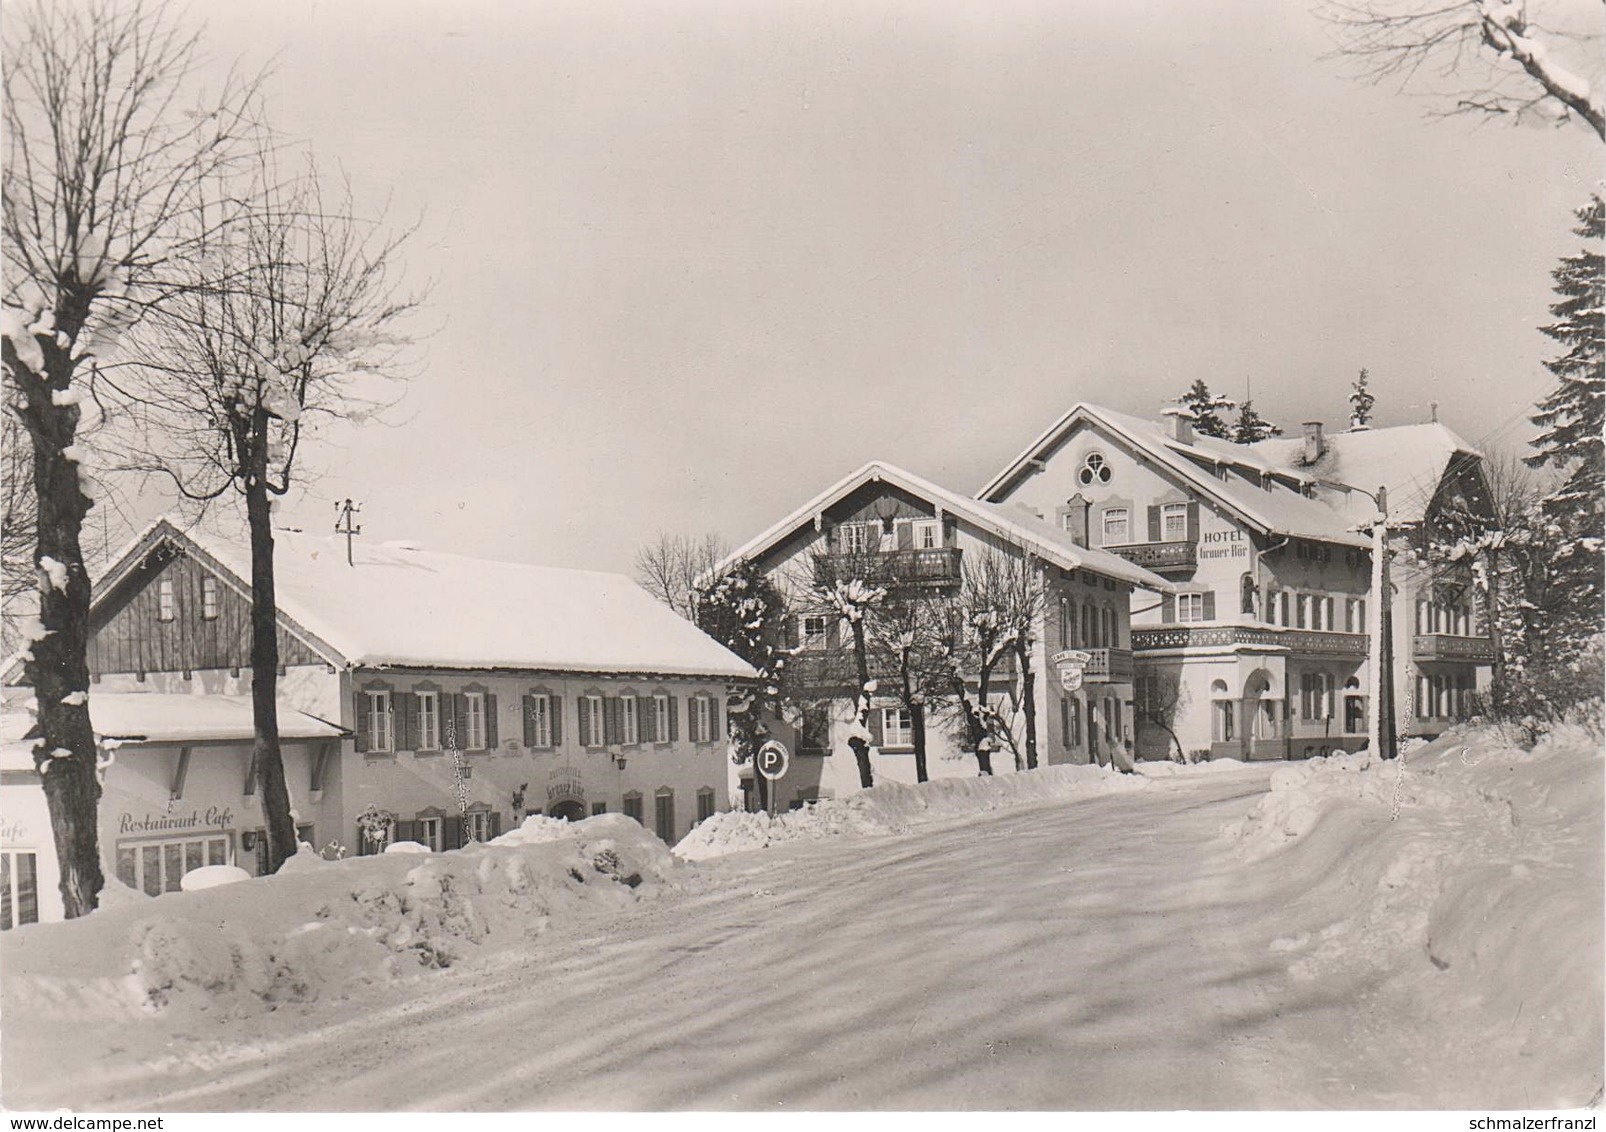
column 56, row 664
column 917, row 733
column 265, row 678
column 858, row 744
column 1029, row 704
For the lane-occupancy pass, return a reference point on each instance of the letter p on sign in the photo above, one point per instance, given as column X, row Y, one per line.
column 772, row 760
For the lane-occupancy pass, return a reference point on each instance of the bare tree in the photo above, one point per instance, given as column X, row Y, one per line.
column 904, row 637
column 104, row 159
column 1496, row 57
column 976, row 635
column 291, row 319
column 672, row 567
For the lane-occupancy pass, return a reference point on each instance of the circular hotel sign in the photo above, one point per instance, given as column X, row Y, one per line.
column 1071, row 664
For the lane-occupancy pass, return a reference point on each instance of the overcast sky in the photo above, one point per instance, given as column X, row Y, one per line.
column 693, row 261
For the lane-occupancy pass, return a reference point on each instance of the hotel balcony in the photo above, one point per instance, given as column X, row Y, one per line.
column 939, row 566
column 1304, row 641
column 1441, row 646
column 1108, row 666
column 1159, row 556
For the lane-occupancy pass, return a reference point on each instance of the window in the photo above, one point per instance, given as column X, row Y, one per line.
column 1174, row 522
column 927, row 534
column 1117, row 525
column 481, row 827
column 629, row 728
column 1223, row 728
column 155, row 867
column 1093, row 470
column 380, row 737
column 1190, row 607
column 860, row 538
column 591, row 721
column 19, row 888
column 164, row 600
column 209, row 597
column 705, row 803
column 664, row 815
column 814, row 736
column 897, row 727
column 427, row 832
column 429, row 721
column 1301, row 610
column 1071, row 721
column 474, row 721
column 660, row 720
column 1316, row 695
column 632, row 805
column 812, row 631
column 598, row 808
column 539, row 710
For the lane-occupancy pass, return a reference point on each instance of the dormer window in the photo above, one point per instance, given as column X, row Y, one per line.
column 1093, row 470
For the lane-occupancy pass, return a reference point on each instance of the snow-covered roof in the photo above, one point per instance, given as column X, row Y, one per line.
column 1279, row 508
column 176, row 717
column 404, row 607
column 1009, row 524
column 1409, row 460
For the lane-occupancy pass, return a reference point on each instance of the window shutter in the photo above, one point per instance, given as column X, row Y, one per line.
column 874, row 723
column 364, row 736
column 406, row 830
column 610, row 720
column 794, row 631
column 1210, row 605
column 1154, row 524
column 554, row 707
column 529, row 721
column 452, row 831
column 1193, row 520
column 646, row 720
column 496, row 823
column 1168, row 608
column 906, row 536
column 716, row 720
column 401, row 720
column 833, row 632
column 582, row 731
column 692, row 733
column 490, row 722
column 1065, row 722
column 674, row 719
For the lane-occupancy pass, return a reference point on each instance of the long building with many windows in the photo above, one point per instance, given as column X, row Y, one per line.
column 412, row 685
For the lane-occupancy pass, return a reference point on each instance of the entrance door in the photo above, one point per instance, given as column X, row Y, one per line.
column 567, row 810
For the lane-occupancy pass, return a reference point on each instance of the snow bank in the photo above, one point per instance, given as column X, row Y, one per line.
column 1467, row 877
column 1155, row 768
column 323, row 928
column 896, row 808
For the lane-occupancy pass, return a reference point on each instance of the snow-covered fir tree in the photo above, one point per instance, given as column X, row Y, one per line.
column 744, row 611
column 1251, row 426
column 1208, row 410
column 1571, row 442
column 1361, row 402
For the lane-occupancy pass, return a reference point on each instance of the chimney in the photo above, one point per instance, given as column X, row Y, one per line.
column 1315, row 446
column 1179, row 424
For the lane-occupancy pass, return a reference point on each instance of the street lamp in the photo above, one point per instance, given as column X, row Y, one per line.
column 1379, row 647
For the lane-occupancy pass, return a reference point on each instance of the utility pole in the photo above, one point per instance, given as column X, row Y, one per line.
column 346, row 524
column 1380, row 647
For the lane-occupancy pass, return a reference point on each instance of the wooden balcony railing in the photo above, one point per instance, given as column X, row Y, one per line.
column 1159, row 555
column 939, row 566
column 1440, row 646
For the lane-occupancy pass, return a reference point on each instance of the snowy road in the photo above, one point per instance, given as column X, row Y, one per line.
column 1101, row 954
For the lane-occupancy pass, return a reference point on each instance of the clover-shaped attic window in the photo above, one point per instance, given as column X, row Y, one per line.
column 1093, row 470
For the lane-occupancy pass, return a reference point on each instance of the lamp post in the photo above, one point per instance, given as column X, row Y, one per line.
column 1380, row 630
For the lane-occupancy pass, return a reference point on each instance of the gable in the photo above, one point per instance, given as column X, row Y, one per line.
column 169, row 612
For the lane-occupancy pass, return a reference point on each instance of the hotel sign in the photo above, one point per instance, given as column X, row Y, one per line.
column 1072, row 663
column 565, row 783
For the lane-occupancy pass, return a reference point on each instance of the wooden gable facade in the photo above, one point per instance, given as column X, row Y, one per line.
column 171, row 612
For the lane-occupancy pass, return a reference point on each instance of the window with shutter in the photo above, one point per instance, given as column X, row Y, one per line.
column 429, row 721
column 664, row 812
column 629, row 729
column 662, row 732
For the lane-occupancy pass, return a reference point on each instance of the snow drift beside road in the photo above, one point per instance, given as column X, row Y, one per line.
column 1467, row 878
column 321, row 927
column 896, row 808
